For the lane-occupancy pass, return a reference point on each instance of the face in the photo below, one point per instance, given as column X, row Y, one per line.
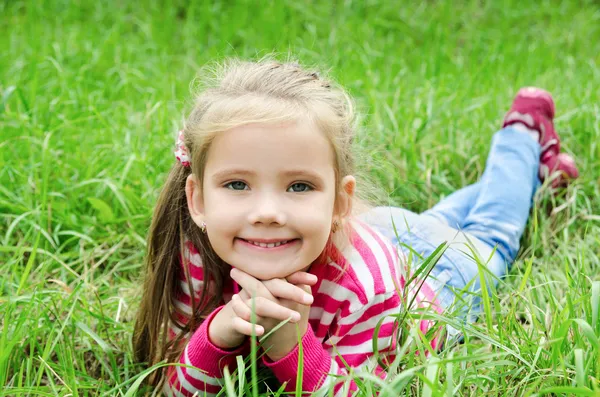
column 268, row 197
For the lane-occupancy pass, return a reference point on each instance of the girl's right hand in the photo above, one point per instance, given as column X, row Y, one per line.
column 230, row 327
column 268, row 309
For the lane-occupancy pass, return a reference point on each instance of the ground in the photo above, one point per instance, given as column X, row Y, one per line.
column 92, row 94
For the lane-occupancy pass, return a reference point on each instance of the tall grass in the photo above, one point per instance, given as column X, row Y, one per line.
column 91, row 94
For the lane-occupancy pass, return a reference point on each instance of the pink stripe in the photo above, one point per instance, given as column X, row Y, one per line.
column 431, row 297
column 386, row 248
column 198, row 384
column 373, row 311
column 355, row 360
column 349, row 272
column 385, row 331
column 332, row 305
column 370, row 260
column 380, row 371
column 352, row 388
column 320, row 330
column 174, row 383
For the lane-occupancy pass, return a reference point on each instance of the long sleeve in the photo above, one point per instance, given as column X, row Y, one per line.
column 209, row 362
column 351, row 345
column 357, row 288
column 199, row 352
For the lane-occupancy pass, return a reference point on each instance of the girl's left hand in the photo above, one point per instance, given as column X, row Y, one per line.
column 285, row 339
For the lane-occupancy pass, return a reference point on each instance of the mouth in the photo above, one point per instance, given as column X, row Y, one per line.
column 268, row 244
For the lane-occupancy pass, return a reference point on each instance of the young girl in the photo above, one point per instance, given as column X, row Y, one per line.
column 258, row 212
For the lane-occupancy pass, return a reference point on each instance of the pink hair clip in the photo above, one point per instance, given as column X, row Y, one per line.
column 181, row 152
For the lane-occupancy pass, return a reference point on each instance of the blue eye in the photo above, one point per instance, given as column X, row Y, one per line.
column 236, row 185
column 299, row 188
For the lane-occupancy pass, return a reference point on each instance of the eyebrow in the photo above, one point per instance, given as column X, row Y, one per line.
column 304, row 174
column 222, row 174
column 233, row 171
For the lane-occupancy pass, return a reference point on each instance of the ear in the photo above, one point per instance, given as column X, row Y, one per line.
column 345, row 196
column 195, row 202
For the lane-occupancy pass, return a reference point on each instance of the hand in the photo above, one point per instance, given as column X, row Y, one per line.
column 281, row 294
column 268, row 296
column 285, row 339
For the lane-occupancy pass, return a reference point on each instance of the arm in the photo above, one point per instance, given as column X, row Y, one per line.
column 210, row 347
column 208, row 359
column 214, row 344
column 351, row 342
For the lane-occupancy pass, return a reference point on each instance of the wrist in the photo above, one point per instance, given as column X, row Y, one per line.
column 279, row 347
column 221, row 334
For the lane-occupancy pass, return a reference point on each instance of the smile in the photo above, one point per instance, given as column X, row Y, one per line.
column 267, row 245
column 270, row 244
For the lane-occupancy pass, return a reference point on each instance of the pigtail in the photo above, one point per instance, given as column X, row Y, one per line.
column 171, row 226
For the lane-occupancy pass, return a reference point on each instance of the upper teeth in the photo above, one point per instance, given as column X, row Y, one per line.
column 268, row 245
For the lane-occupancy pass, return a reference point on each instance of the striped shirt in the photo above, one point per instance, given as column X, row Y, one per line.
column 357, row 286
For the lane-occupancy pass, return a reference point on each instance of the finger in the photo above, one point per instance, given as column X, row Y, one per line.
column 245, row 328
column 268, row 309
column 242, row 310
column 280, row 288
column 244, row 295
column 252, row 286
column 302, row 278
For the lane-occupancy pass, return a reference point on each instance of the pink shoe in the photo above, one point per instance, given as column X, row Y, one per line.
column 534, row 108
column 562, row 164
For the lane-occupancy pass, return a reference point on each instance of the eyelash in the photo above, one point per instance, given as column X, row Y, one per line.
column 301, row 183
column 229, row 185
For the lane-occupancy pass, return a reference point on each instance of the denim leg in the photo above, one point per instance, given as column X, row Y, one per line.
column 393, row 221
column 507, row 186
column 453, row 210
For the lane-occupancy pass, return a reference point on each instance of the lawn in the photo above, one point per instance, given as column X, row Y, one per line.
column 92, row 93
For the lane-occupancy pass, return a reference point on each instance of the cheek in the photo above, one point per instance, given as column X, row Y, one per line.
column 315, row 224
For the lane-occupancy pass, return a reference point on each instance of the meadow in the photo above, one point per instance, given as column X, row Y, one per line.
column 93, row 92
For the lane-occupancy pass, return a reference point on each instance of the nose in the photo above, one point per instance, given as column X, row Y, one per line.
column 267, row 210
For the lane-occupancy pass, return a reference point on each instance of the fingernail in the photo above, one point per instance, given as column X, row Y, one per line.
column 308, row 299
column 296, row 316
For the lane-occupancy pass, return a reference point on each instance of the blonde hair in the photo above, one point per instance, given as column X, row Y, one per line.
column 239, row 93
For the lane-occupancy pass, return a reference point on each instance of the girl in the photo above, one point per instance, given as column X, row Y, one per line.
column 258, row 212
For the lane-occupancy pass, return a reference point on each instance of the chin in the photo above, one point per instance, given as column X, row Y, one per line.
column 267, row 272
column 263, row 276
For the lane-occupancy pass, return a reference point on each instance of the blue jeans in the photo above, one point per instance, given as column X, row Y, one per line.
column 484, row 220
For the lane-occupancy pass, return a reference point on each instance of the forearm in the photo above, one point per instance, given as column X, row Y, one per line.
column 208, row 361
column 315, row 364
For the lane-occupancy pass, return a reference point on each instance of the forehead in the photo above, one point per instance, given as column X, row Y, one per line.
column 272, row 147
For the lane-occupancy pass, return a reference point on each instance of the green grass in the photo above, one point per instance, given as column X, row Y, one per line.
column 91, row 94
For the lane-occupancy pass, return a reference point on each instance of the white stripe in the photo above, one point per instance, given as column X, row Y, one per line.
column 166, row 389
column 197, row 374
column 363, row 273
column 369, row 324
column 318, row 313
column 196, row 260
column 196, row 285
column 344, row 390
column 380, row 256
column 358, row 312
column 340, row 293
column 170, row 392
column 186, row 309
column 328, row 382
column 333, row 264
column 187, row 386
column 365, row 347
